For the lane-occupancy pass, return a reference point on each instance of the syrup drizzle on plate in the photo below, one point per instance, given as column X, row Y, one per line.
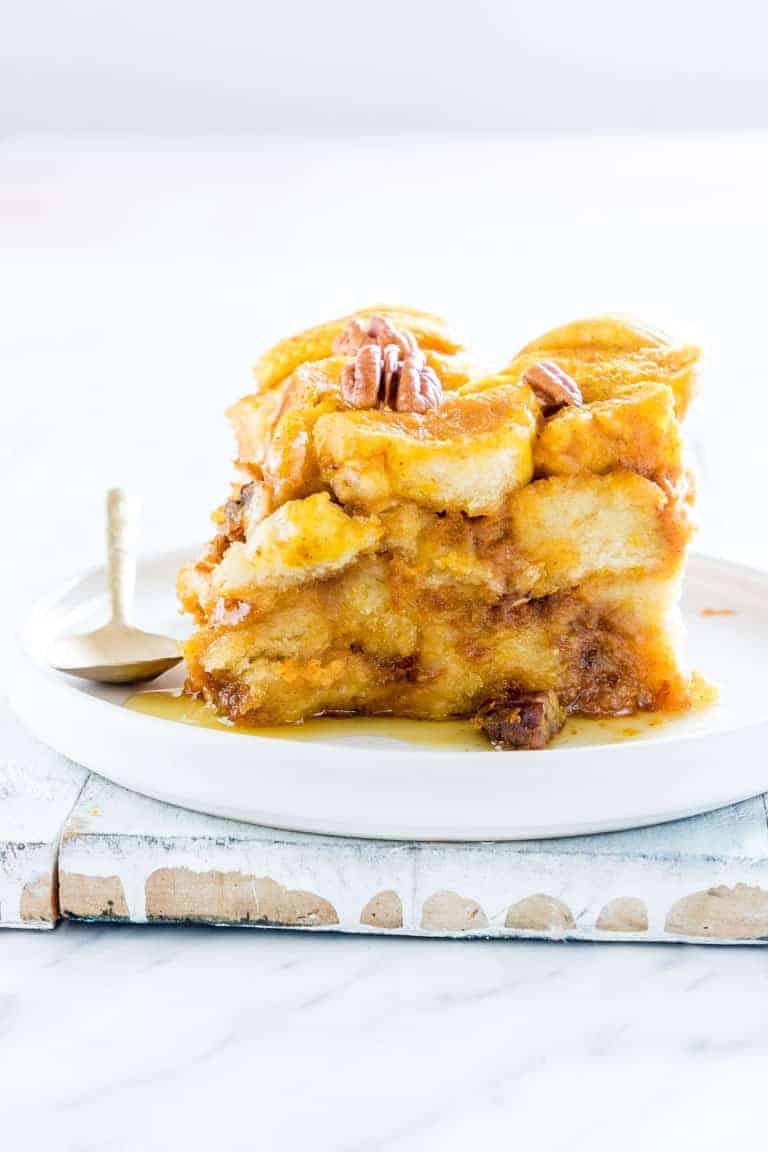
column 455, row 735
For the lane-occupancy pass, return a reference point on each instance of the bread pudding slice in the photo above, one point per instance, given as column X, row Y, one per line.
column 406, row 537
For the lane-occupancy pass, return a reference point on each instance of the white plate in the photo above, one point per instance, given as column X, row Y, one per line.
column 353, row 785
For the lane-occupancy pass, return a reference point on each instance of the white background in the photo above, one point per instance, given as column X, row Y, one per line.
column 152, row 241
column 344, row 68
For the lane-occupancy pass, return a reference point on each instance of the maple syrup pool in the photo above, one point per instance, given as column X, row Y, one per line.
column 456, row 735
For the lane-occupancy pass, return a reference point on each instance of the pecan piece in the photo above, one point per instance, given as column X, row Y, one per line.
column 377, row 330
column 419, row 389
column 361, row 380
column 522, row 719
column 390, row 374
column 379, row 377
column 386, row 333
column 235, row 512
column 353, row 335
column 552, row 386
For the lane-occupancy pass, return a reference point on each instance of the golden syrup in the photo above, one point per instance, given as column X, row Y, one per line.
column 448, row 734
column 579, row 731
column 454, row 735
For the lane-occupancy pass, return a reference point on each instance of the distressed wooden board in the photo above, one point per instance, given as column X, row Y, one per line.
column 37, row 791
column 125, row 857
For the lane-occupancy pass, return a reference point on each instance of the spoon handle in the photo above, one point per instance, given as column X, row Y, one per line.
column 122, row 532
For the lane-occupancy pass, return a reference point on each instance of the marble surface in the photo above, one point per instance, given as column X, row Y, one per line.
column 123, row 1038
column 137, row 281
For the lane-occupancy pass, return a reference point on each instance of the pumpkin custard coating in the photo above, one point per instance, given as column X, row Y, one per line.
column 408, row 536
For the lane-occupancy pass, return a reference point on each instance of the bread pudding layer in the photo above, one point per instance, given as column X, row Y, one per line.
column 420, row 563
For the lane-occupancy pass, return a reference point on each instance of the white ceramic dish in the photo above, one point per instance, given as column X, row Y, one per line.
column 354, row 785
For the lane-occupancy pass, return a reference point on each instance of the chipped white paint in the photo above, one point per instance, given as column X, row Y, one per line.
column 37, row 791
column 624, row 914
column 486, row 888
column 539, row 913
column 383, row 911
column 447, row 913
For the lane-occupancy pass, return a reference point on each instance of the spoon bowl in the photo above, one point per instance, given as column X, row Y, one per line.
column 117, row 653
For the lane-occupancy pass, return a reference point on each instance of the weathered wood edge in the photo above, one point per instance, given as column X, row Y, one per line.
column 636, row 887
column 38, row 791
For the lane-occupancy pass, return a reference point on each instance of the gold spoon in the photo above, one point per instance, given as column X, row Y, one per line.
column 117, row 653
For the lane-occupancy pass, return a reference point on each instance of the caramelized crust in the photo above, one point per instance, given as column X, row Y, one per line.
column 422, row 564
column 608, row 354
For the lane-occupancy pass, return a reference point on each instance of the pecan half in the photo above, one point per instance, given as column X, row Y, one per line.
column 522, row 719
column 552, row 387
column 378, row 375
column 376, row 330
column 361, row 379
column 419, row 389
